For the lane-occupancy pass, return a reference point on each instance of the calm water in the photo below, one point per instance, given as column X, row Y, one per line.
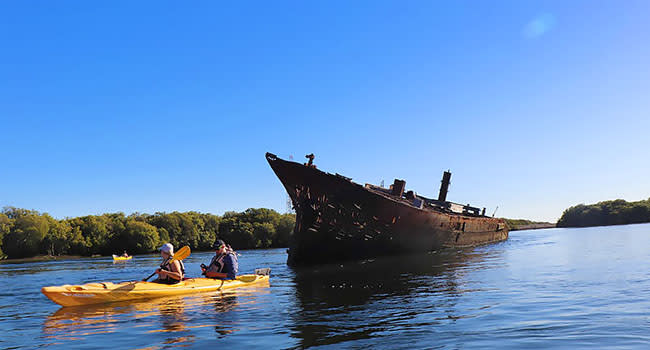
column 560, row 288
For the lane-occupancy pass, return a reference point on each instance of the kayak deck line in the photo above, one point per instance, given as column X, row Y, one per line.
column 107, row 292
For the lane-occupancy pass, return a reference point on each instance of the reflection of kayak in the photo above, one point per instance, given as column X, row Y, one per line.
column 78, row 321
column 117, row 257
column 106, row 292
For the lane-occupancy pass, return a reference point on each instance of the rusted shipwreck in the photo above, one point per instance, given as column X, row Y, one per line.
column 337, row 219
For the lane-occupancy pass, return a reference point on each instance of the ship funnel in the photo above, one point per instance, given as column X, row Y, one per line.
column 398, row 187
column 444, row 186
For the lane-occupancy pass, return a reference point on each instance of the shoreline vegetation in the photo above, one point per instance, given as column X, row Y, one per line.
column 514, row 225
column 523, row 224
column 606, row 213
column 30, row 234
column 41, row 258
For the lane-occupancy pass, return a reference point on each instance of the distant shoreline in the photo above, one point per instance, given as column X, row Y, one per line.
column 41, row 258
column 524, row 224
column 539, row 226
column 31, row 234
column 44, row 258
column 606, row 213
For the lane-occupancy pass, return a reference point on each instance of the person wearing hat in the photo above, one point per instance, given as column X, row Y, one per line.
column 224, row 264
column 169, row 273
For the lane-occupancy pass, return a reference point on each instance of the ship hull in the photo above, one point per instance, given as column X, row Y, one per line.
column 337, row 219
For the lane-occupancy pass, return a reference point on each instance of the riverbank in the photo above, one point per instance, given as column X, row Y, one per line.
column 524, row 224
column 537, row 226
column 29, row 233
column 607, row 213
column 40, row 258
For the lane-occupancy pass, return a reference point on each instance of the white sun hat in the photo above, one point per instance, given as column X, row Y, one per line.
column 167, row 248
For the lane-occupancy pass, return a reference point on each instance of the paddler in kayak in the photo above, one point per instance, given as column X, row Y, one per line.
column 169, row 273
column 224, row 264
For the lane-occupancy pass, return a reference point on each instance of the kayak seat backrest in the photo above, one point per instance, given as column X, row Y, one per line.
column 263, row 271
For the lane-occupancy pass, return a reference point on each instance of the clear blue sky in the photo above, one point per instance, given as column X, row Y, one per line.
column 162, row 106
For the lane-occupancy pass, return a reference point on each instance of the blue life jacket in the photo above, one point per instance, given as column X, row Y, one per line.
column 225, row 263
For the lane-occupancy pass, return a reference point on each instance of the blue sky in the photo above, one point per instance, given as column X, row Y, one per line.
column 162, row 106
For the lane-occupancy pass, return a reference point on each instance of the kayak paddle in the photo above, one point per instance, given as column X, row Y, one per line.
column 180, row 255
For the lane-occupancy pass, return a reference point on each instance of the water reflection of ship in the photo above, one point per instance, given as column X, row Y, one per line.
column 357, row 299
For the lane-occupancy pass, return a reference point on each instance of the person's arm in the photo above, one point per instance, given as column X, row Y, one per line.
column 212, row 274
column 175, row 272
column 207, row 272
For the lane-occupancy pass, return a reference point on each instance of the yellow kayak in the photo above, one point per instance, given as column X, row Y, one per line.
column 107, row 292
column 117, row 257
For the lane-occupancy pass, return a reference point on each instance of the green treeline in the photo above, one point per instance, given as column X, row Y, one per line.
column 519, row 224
column 512, row 223
column 26, row 233
column 616, row 212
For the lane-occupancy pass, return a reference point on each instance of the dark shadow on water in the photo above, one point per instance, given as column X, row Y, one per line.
column 359, row 300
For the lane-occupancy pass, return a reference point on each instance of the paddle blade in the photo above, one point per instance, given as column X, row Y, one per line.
column 182, row 253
